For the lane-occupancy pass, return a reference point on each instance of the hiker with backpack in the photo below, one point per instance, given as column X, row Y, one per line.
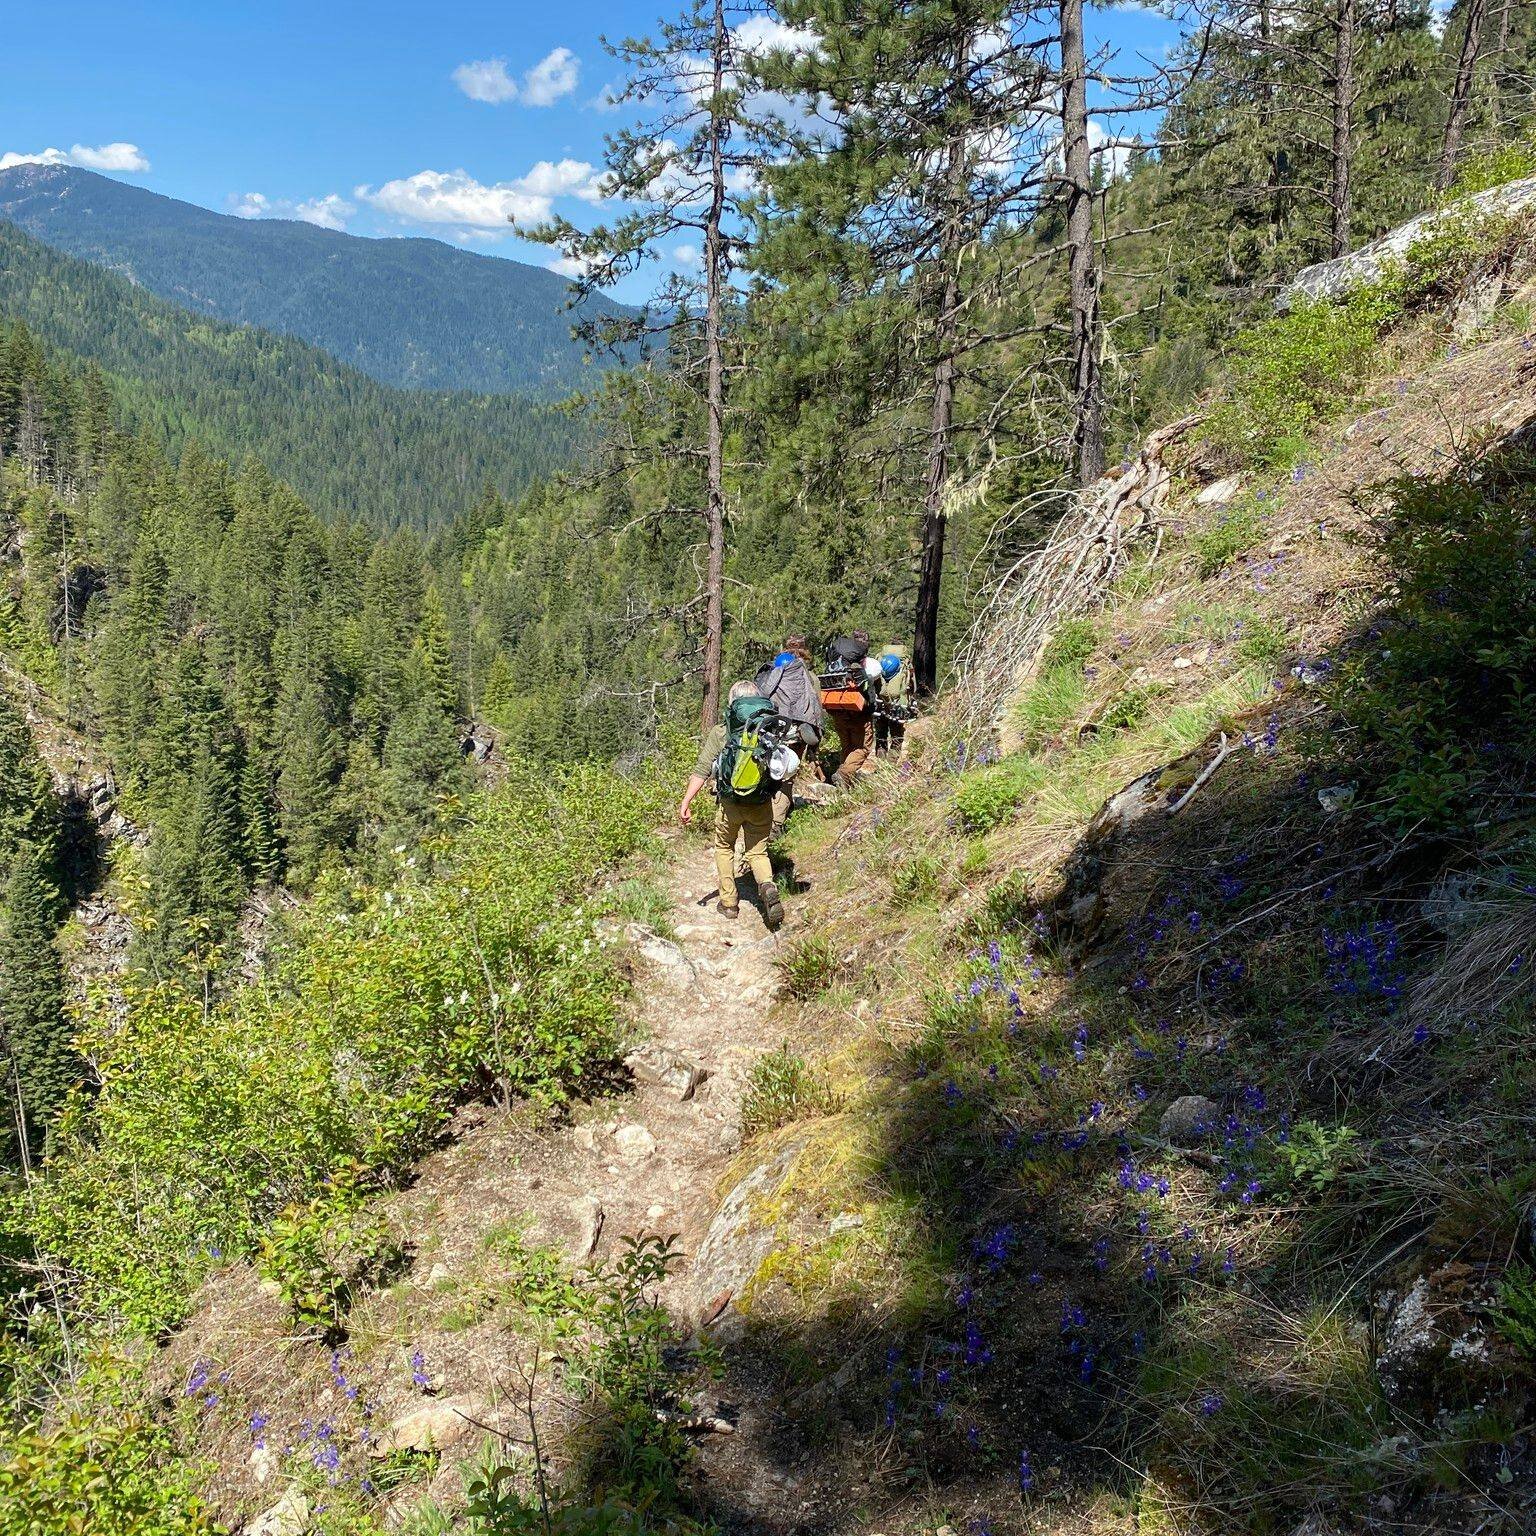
column 893, row 704
column 741, row 756
column 794, row 691
column 849, row 687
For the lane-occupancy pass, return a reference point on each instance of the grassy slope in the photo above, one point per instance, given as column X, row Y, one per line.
column 1061, row 1321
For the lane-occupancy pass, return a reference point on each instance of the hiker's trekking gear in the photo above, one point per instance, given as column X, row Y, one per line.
column 784, row 658
column 795, row 697
column 741, row 770
column 844, row 684
column 773, row 907
column 783, row 765
column 890, row 665
column 726, row 911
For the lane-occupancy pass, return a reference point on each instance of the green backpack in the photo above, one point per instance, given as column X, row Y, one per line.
column 741, row 770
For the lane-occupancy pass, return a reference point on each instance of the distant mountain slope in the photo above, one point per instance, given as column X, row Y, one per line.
column 416, row 314
column 351, row 446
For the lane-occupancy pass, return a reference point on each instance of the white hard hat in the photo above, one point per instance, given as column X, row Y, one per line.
column 871, row 668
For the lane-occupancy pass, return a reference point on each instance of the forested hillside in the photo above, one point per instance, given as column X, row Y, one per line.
column 1129, row 1132
column 416, row 314
column 356, row 448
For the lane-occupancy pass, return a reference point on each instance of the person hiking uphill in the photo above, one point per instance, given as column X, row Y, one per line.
column 849, row 686
column 893, row 706
column 737, row 755
column 790, row 685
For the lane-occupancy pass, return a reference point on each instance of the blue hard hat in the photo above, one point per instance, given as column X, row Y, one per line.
column 889, row 665
column 784, row 658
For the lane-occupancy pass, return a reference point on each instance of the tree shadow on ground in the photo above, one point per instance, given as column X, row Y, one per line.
column 1078, row 1302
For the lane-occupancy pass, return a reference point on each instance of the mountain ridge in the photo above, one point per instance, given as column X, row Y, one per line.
column 352, row 447
column 410, row 311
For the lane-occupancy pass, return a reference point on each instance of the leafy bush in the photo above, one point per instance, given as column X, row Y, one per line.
column 1234, row 531
column 1442, row 701
column 1516, row 1314
column 782, row 1087
column 1129, row 707
column 808, row 967
column 478, row 970
column 319, row 1251
column 1290, row 372
column 987, row 797
column 1494, row 167
column 916, row 881
column 109, row 1477
column 1316, row 1156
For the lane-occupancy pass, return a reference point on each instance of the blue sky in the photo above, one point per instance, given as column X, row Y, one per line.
column 372, row 117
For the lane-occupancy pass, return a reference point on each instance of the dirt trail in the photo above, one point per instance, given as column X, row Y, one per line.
column 649, row 1159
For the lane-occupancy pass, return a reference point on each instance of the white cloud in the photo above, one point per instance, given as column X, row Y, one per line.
column 569, row 266
column 564, row 178
column 455, row 197
column 329, row 212
column 487, row 80
column 253, row 205
column 610, row 98
column 110, row 157
column 767, row 34
column 554, row 76
column 105, row 157
column 687, row 256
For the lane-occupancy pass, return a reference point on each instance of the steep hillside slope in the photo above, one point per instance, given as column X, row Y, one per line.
column 1129, row 1132
column 352, row 447
column 416, row 314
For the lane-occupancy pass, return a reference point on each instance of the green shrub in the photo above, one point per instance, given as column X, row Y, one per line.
column 319, row 1251
column 108, row 1477
column 1316, row 1156
column 1263, row 642
column 1516, row 1314
column 1234, row 531
column 1494, row 167
column 781, row 1088
column 1442, row 701
column 916, row 881
column 807, row 967
column 1293, row 371
column 987, row 797
column 478, row 970
column 1129, row 707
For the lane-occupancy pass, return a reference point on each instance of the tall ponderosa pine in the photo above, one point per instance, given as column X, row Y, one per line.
column 944, row 136
column 684, row 173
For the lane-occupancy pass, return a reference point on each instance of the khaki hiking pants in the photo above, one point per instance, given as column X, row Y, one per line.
column 754, row 824
column 855, row 737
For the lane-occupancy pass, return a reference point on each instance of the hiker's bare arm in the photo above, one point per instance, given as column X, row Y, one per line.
column 685, row 810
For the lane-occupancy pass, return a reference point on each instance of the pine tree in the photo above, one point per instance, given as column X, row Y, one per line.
column 35, row 1032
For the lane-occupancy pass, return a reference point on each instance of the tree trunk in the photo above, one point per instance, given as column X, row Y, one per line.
column 925, row 636
column 1340, row 198
column 714, row 346
column 1088, row 395
column 1461, row 94
column 1500, row 67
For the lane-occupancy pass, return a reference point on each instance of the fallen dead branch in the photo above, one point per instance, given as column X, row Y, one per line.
column 1067, row 574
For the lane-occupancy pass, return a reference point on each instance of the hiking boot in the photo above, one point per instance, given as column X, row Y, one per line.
column 725, row 911
column 773, row 908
